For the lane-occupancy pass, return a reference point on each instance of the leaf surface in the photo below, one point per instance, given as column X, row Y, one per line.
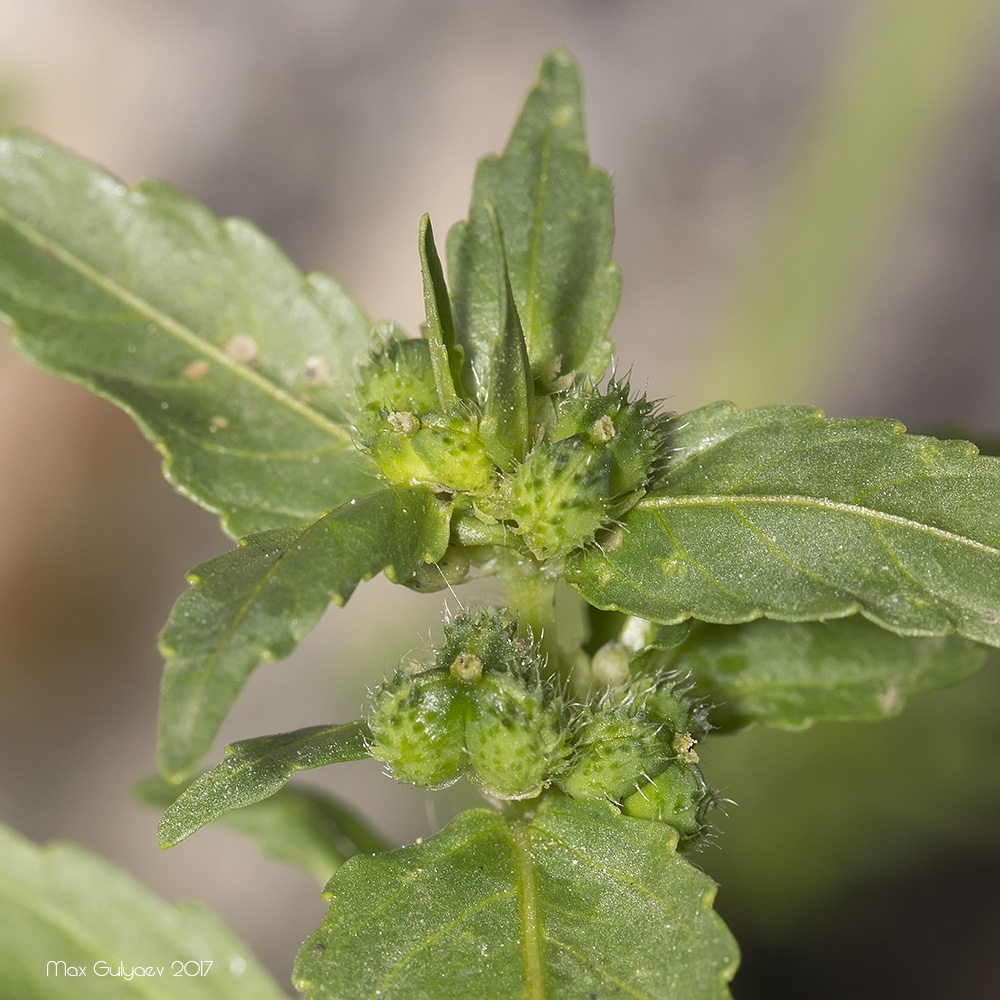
column 440, row 332
column 62, row 904
column 231, row 361
column 779, row 512
column 791, row 674
column 506, row 426
column 259, row 601
column 556, row 214
column 572, row 902
column 255, row 769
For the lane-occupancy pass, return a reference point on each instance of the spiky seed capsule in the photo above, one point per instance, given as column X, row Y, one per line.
column 676, row 796
column 450, row 446
column 558, row 496
column 399, row 376
column 418, row 728
column 483, row 707
column 514, row 737
column 441, row 452
column 492, row 636
column 667, row 702
column 400, row 424
column 630, row 431
column 616, row 749
column 591, row 462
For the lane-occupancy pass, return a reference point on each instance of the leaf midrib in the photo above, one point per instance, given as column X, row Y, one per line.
column 538, row 222
column 531, row 936
column 792, row 500
column 175, row 328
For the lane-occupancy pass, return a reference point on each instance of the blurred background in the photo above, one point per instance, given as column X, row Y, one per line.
column 808, row 211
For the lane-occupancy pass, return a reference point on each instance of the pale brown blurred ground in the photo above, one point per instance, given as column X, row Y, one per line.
column 335, row 125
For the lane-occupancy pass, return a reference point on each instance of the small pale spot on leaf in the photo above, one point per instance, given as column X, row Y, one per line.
column 316, row 370
column 888, row 700
column 243, row 348
column 197, row 369
column 673, row 567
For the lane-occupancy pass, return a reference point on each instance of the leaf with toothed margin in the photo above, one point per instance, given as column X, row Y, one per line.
column 792, row 674
column 298, row 825
column 255, row 769
column 556, row 214
column 570, row 901
column 231, row 361
column 779, row 512
column 259, row 601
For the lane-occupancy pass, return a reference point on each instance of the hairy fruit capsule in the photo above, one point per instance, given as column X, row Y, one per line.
column 484, row 708
column 558, row 495
column 402, row 427
column 677, row 796
column 514, row 737
column 418, row 729
column 615, row 749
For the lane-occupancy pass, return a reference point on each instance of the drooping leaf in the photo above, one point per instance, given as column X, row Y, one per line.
column 445, row 356
column 259, row 601
column 298, row 825
column 574, row 901
column 253, row 770
column 63, row 908
column 507, row 417
column 556, row 214
column 779, row 512
column 229, row 359
column 791, row 674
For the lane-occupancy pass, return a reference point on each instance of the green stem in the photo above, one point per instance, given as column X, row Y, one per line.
column 530, row 591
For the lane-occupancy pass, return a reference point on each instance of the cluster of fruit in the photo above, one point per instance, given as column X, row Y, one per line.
column 586, row 458
column 485, row 708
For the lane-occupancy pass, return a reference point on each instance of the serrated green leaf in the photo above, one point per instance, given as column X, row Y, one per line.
column 445, row 357
column 246, row 791
column 573, row 901
column 62, row 907
column 792, row 674
column 229, row 359
column 506, row 427
column 779, row 512
column 556, row 214
column 259, row 601
column 299, row 826
column 253, row 770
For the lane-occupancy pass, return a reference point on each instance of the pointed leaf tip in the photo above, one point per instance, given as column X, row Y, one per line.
column 555, row 210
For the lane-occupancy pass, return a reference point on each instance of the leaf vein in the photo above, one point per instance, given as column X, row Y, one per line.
column 173, row 327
